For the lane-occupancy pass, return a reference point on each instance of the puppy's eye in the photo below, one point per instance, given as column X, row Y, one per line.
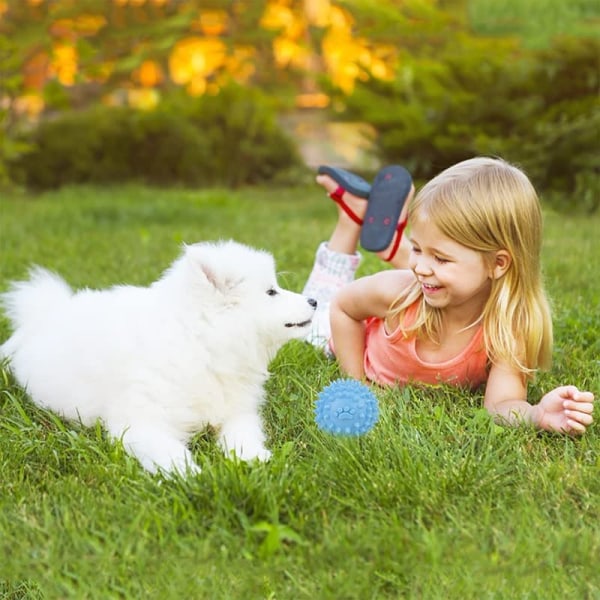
column 272, row 292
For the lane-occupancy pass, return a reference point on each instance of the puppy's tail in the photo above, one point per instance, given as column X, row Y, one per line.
column 28, row 302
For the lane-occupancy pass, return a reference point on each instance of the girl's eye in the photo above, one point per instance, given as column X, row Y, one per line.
column 442, row 261
column 415, row 250
column 272, row 292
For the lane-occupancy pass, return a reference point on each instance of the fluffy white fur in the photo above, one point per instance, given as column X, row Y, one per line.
column 157, row 364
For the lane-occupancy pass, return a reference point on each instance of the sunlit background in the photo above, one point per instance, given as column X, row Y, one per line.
column 424, row 80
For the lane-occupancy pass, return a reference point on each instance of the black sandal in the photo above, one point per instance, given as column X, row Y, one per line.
column 389, row 193
column 349, row 181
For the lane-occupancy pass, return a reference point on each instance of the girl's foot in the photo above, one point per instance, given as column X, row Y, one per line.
column 351, row 207
column 393, row 191
column 347, row 181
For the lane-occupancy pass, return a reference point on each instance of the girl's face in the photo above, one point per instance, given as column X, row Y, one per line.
column 451, row 275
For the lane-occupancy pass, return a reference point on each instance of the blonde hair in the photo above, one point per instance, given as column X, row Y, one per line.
column 487, row 205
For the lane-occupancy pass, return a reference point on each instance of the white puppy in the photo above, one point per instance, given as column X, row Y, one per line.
column 157, row 364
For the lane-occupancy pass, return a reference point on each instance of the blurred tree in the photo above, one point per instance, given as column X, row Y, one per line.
column 60, row 54
column 417, row 70
column 120, row 50
column 70, row 53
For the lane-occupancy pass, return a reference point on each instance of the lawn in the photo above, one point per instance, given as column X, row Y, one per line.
column 436, row 502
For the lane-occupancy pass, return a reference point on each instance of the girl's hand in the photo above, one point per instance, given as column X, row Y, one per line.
column 566, row 410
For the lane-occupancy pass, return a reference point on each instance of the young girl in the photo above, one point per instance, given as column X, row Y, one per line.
column 465, row 304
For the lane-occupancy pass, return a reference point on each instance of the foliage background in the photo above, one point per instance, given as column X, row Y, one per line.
column 437, row 81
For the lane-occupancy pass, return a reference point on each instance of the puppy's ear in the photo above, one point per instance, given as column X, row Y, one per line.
column 206, row 260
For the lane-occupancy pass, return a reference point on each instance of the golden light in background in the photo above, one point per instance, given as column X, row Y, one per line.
column 340, row 50
column 203, row 60
column 277, row 16
column 35, row 73
column 211, row 22
column 317, row 12
column 194, row 59
column 64, row 63
column 29, row 104
column 290, row 46
column 312, row 100
column 35, row 70
column 384, row 62
column 144, row 99
column 148, row 74
column 344, row 56
column 240, row 63
column 197, row 86
column 289, row 52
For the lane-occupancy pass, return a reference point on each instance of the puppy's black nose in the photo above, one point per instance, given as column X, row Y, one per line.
column 312, row 302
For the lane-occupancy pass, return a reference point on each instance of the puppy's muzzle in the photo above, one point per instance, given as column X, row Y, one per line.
column 313, row 303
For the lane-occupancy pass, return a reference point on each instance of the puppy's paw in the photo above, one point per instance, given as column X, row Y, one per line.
column 243, row 437
column 248, row 452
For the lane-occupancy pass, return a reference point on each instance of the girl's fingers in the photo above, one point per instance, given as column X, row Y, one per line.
column 580, row 417
column 586, row 407
column 575, row 427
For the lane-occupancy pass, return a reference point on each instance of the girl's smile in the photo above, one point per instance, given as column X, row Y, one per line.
column 429, row 289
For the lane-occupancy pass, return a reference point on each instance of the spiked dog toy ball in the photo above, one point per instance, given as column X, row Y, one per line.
column 346, row 407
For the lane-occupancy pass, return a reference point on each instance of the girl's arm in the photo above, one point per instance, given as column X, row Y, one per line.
column 366, row 297
column 564, row 409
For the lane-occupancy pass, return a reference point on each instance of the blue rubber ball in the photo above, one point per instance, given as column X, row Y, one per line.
column 346, row 407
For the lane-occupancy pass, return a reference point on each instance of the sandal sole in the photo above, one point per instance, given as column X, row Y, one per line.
column 388, row 195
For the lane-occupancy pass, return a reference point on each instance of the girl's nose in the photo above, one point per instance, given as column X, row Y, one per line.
column 421, row 266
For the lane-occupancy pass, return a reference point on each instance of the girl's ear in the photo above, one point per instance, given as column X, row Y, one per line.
column 502, row 261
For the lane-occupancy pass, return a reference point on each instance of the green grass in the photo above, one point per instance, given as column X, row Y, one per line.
column 435, row 502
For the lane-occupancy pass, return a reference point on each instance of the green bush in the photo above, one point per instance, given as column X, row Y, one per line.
column 104, row 145
column 247, row 144
column 231, row 139
column 444, row 108
column 476, row 96
column 559, row 143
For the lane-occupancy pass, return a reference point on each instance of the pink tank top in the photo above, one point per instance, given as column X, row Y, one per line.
column 391, row 359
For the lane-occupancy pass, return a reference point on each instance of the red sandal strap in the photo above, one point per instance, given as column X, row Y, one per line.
column 337, row 196
column 399, row 231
